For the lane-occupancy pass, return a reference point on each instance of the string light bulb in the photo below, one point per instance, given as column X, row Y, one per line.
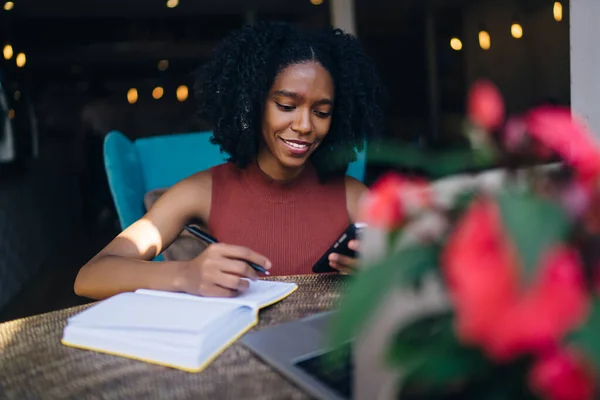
column 456, row 44
column 21, row 60
column 172, row 3
column 558, row 11
column 485, row 41
column 7, row 51
column 132, row 96
column 158, row 92
column 9, row 5
column 516, row 30
column 182, row 93
column 316, row 2
column 163, row 65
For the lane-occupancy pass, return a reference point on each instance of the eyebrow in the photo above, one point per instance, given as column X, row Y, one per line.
column 294, row 95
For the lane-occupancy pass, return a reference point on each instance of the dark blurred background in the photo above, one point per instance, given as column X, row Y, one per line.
column 72, row 70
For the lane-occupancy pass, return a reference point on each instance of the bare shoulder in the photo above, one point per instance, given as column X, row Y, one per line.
column 355, row 189
column 354, row 186
column 194, row 194
column 185, row 201
column 198, row 182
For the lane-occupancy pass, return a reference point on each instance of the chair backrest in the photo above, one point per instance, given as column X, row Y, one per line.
column 165, row 160
column 134, row 168
column 358, row 168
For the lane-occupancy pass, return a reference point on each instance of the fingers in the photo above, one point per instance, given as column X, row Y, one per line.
column 242, row 253
column 219, row 291
column 343, row 260
column 346, row 265
column 342, row 269
column 354, row 245
column 239, row 268
column 233, row 282
column 220, row 270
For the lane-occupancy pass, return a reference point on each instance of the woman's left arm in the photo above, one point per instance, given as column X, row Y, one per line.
column 355, row 190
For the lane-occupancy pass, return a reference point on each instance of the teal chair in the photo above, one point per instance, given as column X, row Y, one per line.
column 136, row 167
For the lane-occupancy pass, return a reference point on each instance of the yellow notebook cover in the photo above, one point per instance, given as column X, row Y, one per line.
column 176, row 330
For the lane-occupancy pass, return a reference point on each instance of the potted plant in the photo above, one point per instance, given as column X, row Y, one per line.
column 484, row 287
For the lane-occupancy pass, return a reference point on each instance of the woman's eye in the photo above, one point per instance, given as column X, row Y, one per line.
column 322, row 114
column 284, row 107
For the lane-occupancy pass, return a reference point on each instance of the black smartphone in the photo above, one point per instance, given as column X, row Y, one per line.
column 340, row 246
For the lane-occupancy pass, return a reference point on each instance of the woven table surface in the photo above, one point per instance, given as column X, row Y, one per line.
column 35, row 365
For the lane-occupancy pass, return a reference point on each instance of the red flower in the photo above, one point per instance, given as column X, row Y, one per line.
column 493, row 308
column 556, row 128
column 546, row 311
column 481, row 270
column 381, row 207
column 485, row 105
column 516, row 140
column 561, row 375
column 391, row 198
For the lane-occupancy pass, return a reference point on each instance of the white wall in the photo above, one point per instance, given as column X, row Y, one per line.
column 526, row 70
column 585, row 61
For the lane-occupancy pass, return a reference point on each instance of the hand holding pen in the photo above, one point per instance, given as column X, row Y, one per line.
column 219, row 270
column 211, row 240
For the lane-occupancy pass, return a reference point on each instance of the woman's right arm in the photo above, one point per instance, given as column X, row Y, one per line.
column 125, row 264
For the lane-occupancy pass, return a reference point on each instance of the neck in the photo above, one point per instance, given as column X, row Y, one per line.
column 274, row 170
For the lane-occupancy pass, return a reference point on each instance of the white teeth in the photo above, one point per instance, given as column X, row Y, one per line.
column 295, row 145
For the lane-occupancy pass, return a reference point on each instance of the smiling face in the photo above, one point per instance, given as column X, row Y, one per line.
column 296, row 119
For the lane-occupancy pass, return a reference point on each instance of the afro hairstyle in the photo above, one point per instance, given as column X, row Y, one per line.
column 233, row 85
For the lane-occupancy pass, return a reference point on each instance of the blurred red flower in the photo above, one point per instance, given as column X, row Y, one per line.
column 549, row 308
column 562, row 375
column 516, row 140
column 485, row 105
column 391, row 198
column 494, row 309
column 481, row 270
column 559, row 130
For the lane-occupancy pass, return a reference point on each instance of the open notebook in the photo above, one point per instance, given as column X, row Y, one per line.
column 177, row 330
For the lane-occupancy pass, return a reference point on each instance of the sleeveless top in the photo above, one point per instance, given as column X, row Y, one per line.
column 291, row 223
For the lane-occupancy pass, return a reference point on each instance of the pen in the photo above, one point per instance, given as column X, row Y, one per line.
column 209, row 239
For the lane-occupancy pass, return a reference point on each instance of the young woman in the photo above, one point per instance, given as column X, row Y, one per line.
column 290, row 109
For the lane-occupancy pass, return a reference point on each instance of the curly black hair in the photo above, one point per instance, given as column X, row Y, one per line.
column 233, row 86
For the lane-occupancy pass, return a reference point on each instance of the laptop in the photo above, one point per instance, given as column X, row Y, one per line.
column 297, row 350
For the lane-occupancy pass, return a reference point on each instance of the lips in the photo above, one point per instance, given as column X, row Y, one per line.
column 298, row 147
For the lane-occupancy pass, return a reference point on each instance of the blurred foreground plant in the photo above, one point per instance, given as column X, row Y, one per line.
column 519, row 261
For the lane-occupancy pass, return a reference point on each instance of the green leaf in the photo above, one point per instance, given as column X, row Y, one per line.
column 419, row 268
column 586, row 337
column 429, row 353
column 435, row 365
column 368, row 288
column 446, row 163
column 503, row 381
column 534, row 225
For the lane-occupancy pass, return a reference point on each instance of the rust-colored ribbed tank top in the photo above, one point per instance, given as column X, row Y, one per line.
column 291, row 223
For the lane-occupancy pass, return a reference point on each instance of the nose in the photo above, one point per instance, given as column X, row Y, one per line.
column 302, row 124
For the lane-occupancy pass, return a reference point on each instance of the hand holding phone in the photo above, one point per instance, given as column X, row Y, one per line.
column 341, row 247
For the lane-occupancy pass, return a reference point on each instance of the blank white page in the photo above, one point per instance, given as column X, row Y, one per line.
column 261, row 293
column 258, row 294
column 139, row 311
